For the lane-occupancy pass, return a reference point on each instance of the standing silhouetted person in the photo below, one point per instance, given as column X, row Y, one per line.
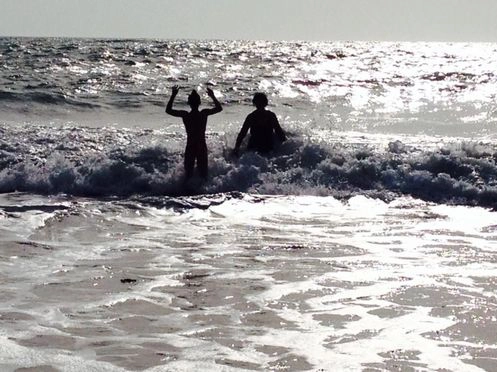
column 195, row 124
column 263, row 125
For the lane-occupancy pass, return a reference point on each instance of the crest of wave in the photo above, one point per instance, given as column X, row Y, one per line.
column 463, row 173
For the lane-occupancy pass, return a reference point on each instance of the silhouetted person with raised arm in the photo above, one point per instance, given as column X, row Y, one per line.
column 263, row 125
column 195, row 124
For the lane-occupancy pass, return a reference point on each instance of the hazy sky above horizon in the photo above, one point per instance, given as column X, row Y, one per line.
column 415, row 20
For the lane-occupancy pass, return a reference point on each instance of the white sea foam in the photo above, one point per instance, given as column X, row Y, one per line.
column 114, row 162
column 359, row 284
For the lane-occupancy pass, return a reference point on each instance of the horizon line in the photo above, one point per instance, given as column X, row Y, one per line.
column 243, row 39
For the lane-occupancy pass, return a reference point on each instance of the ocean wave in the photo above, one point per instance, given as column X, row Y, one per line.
column 358, row 77
column 105, row 162
column 44, row 98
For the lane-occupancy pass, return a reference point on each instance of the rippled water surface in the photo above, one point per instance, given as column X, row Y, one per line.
column 414, row 87
column 255, row 283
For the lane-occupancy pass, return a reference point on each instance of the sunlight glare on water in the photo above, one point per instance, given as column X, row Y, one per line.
column 358, row 284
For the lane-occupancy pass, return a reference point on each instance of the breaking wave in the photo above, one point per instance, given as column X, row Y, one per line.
column 110, row 162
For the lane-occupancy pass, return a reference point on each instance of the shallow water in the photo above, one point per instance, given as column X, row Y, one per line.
column 250, row 283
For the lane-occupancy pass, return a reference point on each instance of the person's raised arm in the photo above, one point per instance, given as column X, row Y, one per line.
column 169, row 107
column 217, row 106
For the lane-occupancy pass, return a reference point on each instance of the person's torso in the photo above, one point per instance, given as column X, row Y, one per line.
column 195, row 126
column 261, row 130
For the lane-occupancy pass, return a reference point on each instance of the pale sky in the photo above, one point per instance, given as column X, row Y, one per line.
column 393, row 20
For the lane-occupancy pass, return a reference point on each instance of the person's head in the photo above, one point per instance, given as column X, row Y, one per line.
column 260, row 100
column 194, row 99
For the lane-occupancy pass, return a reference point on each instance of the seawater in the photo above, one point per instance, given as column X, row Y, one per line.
column 366, row 241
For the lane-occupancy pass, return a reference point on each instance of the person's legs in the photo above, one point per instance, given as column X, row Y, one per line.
column 202, row 162
column 189, row 162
